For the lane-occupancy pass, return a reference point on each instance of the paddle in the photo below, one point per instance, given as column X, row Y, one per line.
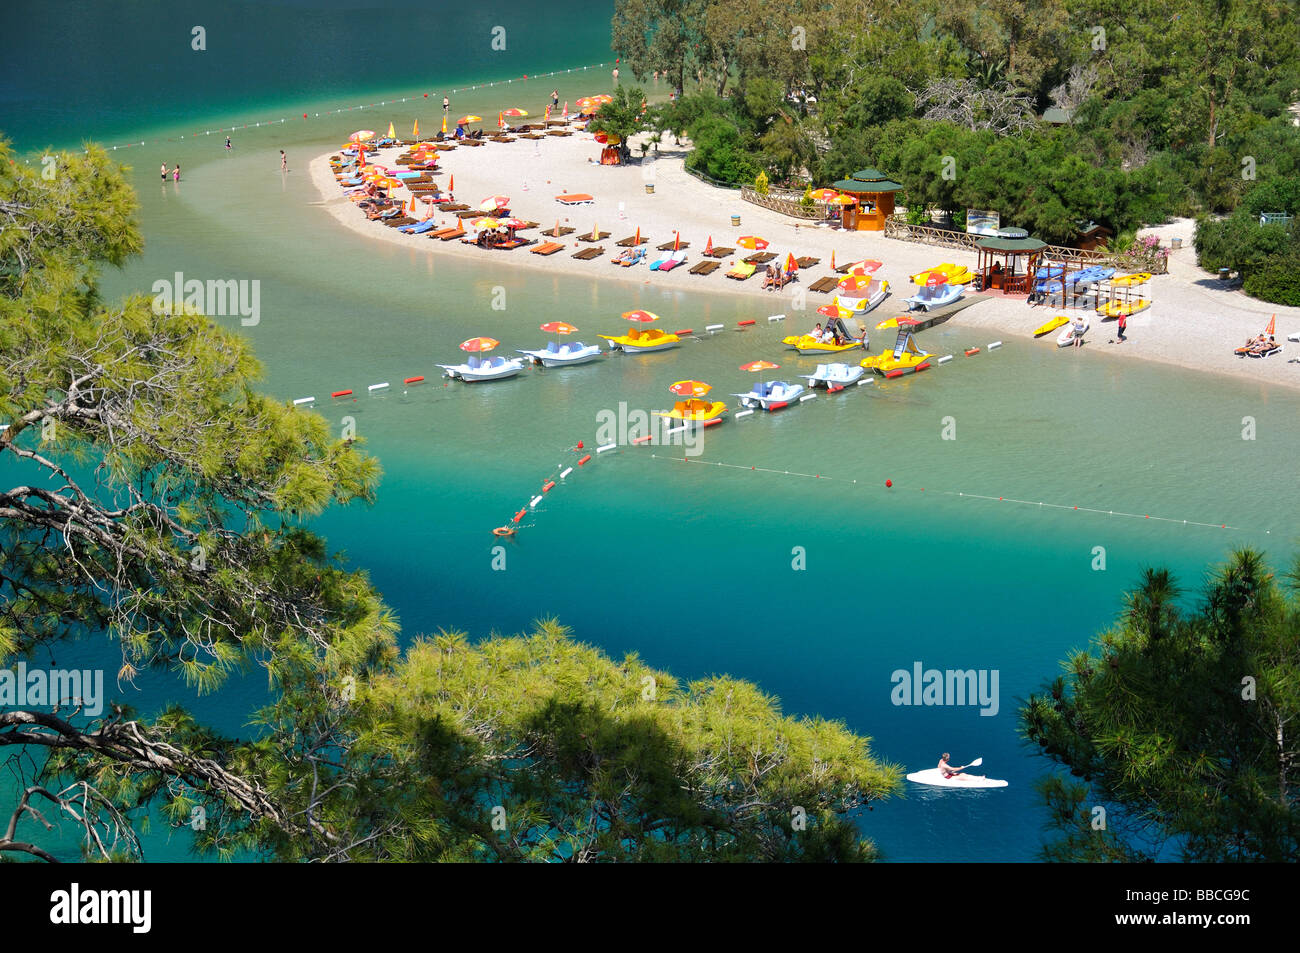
column 974, row 764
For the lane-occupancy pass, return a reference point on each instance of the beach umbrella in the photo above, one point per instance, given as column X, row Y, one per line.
column 834, row 311
column 752, row 241
column 636, row 240
column 601, row 137
column 501, row 120
column 362, row 134
column 1272, row 324
column 558, row 327
column 868, row 266
column 451, row 183
column 887, row 323
column 603, row 98
column 557, row 228
column 466, row 120
column 595, row 232
column 444, row 124
column 415, row 133
column 566, row 109
column 790, row 263
column 494, row 203
column 843, row 200
column 584, row 103
column 511, row 222
column 644, row 317
column 853, row 282
column 934, row 279
column 708, row 248
column 832, row 259
column 392, row 134
column 690, row 388
column 514, row 112
column 485, row 223
column 756, row 367
column 479, row 344
column 548, row 111
column 677, row 240
column 824, row 195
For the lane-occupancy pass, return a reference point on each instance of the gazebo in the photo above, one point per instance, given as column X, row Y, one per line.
column 998, row 258
column 875, row 195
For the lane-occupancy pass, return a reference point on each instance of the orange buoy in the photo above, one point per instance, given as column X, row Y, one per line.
column 546, row 487
column 745, row 324
column 414, row 380
column 889, row 483
column 972, row 350
column 584, row 459
column 503, row 531
column 519, row 515
column 685, row 331
column 341, row 393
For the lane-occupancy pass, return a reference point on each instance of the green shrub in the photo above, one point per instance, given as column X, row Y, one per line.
column 1278, row 282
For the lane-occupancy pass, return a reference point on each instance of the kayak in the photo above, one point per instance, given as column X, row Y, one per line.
column 934, row 777
column 1051, row 325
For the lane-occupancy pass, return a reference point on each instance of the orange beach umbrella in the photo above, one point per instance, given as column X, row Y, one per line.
column 392, row 134
column 690, row 388
column 1272, row 323
column 639, row 315
column 708, row 248
column 514, row 112
column 834, row 311
column 824, row 195
column 361, row 134
column 753, row 366
column 479, row 344
column 558, row 327
column 752, row 241
column 494, row 203
column 465, row 120
column 853, row 282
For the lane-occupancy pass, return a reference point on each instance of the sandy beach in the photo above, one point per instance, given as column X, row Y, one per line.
column 1193, row 322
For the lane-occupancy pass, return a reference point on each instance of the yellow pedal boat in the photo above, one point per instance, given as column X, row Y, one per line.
column 637, row 341
column 905, row 358
column 697, row 411
column 807, row 344
column 1051, row 325
column 955, row 274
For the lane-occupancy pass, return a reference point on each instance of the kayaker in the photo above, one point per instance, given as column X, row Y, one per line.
column 949, row 772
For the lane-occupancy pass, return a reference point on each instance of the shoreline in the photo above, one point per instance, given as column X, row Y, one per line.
column 1191, row 324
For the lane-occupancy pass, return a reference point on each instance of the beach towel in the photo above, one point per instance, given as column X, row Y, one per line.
column 742, row 271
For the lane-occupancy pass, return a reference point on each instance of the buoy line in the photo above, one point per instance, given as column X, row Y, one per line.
column 958, row 494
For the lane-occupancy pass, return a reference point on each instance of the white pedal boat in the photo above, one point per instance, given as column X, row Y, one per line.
column 834, row 376
column 935, row 778
column 1066, row 337
column 486, row 369
column 927, row 299
column 771, row 395
column 563, row 355
column 865, row 298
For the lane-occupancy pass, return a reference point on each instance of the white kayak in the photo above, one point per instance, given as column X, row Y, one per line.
column 935, row 777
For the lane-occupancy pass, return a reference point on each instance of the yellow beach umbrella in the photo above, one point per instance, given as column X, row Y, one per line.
column 415, row 133
column 514, row 112
column 465, row 120
column 392, row 133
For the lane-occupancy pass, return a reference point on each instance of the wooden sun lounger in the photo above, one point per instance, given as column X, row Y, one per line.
column 705, row 268
column 503, row 139
column 587, row 254
column 444, row 232
column 452, row 206
column 586, row 237
column 668, row 246
column 721, row 252
column 564, row 230
column 471, row 142
column 548, row 248
column 452, row 233
column 762, row 258
column 824, row 285
column 630, row 241
column 558, row 132
column 806, row 262
column 399, row 220
column 531, row 135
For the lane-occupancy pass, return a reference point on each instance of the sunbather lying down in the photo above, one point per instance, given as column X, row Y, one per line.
column 629, row 257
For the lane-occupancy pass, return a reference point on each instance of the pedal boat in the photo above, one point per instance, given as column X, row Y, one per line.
column 563, row 355
column 771, row 395
column 905, row 358
column 807, row 344
column 956, row 274
column 834, row 376
column 865, row 298
column 696, row 411
column 929, row 298
column 486, row 369
column 637, row 341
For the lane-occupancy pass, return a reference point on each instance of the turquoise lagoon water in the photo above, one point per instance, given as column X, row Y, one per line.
column 895, row 576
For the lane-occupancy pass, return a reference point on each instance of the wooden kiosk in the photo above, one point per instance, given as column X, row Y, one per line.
column 875, row 195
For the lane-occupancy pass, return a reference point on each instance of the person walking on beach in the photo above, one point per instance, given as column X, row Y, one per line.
column 1123, row 326
column 446, row 105
column 284, row 162
column 227, row 143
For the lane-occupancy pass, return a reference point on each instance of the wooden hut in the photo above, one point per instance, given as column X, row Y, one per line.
column 1006, row 262
column 875, row 195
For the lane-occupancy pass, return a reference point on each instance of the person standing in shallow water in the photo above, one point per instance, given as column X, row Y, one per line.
column 176, row 173
column 164, row 171
column 227, row 143
column 284, row 162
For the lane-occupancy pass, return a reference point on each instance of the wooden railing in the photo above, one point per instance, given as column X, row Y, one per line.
column 785, row 201
column 899, row 228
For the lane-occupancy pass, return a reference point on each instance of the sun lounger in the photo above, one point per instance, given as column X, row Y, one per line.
column 471, row 142
column 576, row 198
column 452, row 206
column 558, row 132
column 668, row 246
column 445, row 232
column 586, row 237
column 675, row 259
column 721, row 252
column 563, row 230
column 806, row 262
column 630, row 241
column 419, row 228
column 587, row 254
column 705, row 268
column 400, row 220
column 742, row 271
column 633, row 256
column 548, row 248
column 824, row 285
column 453, row 233
column 762, row 258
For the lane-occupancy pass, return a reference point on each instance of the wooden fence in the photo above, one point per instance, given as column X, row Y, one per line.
column 785, row 201
column 898, row 227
